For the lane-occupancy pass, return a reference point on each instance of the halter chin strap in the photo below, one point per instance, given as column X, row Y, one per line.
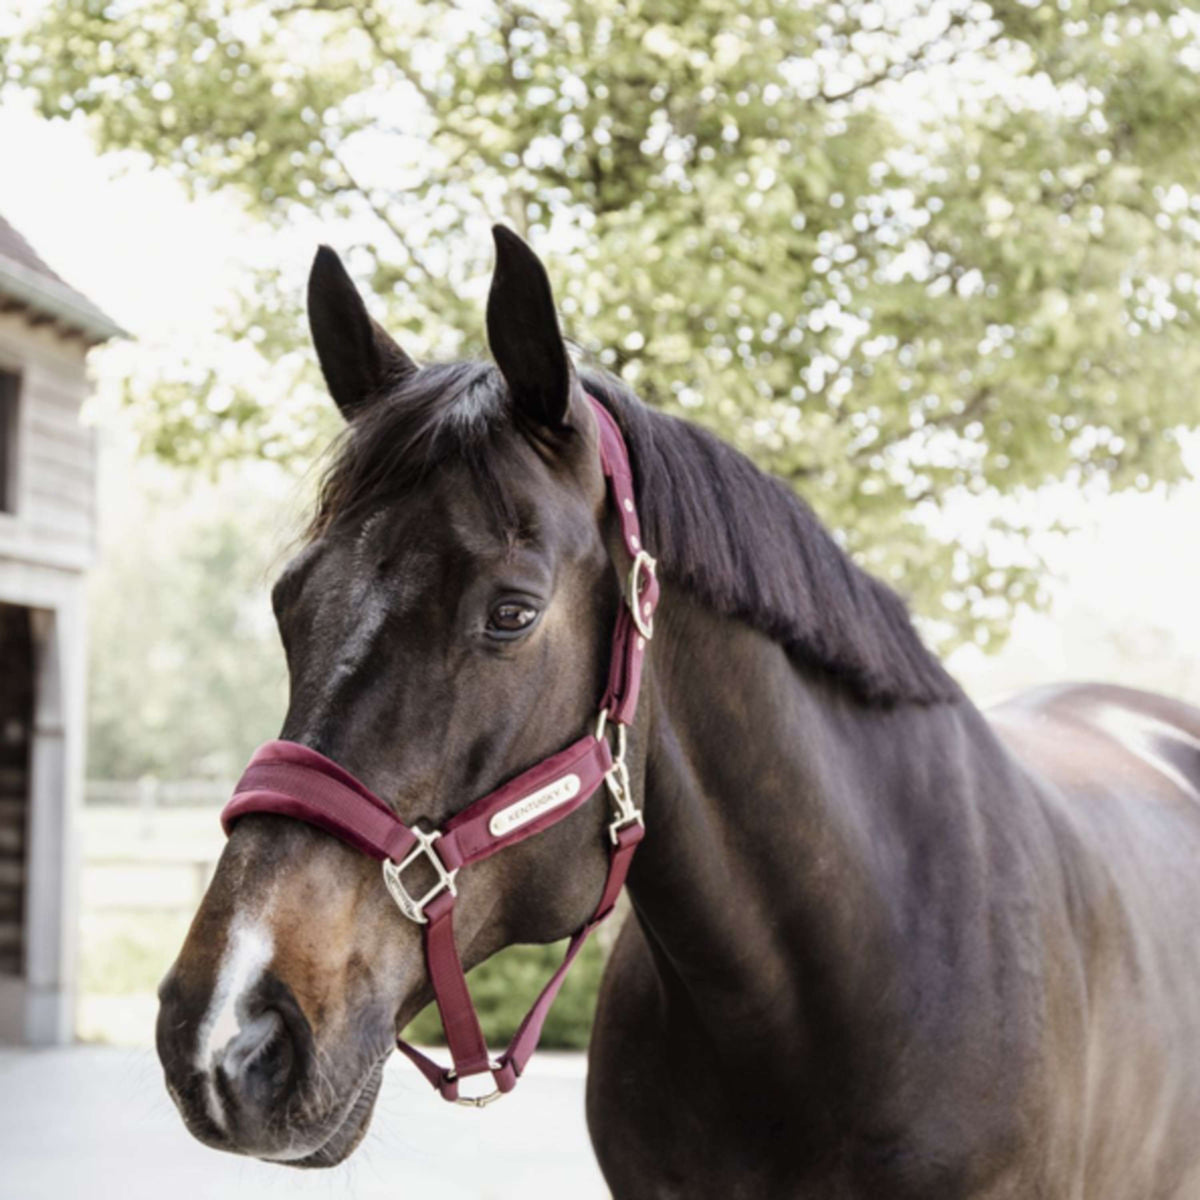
column 291, row 780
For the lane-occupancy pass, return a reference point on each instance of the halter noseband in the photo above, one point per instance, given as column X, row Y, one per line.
column 291, row 780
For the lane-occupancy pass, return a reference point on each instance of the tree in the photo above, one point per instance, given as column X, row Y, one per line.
column 186, row 674
column 905, row 258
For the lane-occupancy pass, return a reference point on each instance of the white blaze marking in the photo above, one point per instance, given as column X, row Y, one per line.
column 1144, row 736
column 247, row 953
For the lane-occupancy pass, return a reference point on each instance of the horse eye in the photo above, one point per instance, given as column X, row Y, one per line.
column 510, row 619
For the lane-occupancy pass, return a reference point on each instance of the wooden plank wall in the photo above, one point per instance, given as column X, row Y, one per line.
column 55, row 517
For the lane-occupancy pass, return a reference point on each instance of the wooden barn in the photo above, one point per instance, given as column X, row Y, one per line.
column 47, row 541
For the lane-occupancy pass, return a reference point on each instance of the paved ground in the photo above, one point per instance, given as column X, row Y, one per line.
column 95, row 1122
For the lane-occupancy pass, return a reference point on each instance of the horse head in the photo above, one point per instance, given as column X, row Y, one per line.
column 445, row 625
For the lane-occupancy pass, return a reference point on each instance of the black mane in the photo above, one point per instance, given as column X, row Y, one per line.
column 747, row 546
column 738, row 540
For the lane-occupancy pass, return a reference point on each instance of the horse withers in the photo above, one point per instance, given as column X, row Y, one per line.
column 882, row 946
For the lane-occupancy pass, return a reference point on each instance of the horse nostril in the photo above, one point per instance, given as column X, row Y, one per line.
column 231, row 1061
column 258, row 1062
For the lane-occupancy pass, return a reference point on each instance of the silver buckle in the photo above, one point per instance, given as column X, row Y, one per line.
column 627, row 812
column 616, row 779
column 641, row 561
column 414, row 910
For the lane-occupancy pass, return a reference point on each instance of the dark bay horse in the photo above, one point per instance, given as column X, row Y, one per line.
column 882, row 946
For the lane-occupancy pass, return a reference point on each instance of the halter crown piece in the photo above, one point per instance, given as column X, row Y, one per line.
column 291, row 780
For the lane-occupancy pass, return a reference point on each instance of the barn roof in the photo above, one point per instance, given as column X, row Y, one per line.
column 26, row 282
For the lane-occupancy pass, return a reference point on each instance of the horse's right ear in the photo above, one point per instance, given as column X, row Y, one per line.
column 358, row 358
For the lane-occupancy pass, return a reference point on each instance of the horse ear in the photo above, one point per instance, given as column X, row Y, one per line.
column 357, row 357
column 523, row 332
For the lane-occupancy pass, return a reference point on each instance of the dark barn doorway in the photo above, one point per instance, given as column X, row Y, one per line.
column 16, row 729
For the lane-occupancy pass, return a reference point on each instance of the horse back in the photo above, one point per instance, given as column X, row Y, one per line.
column 1080, row 734
column 1118, row 772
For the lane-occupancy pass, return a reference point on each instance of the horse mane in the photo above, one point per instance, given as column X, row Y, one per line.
column 746, row 546
column 738, row 540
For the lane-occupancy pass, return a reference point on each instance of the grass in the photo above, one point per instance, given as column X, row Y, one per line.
column 127, row 953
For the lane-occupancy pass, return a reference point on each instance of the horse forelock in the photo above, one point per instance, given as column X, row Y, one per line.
column 440, row 414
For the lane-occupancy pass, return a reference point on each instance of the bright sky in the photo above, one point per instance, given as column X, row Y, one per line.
column 162, row 264
column 124, row 234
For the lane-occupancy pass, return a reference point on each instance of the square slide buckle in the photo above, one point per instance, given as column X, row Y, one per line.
column 413, row 909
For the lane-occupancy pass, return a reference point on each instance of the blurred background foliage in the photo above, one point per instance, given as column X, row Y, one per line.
column 909, row 256
column 505, row 987
column 921, row 258
column 185, row 675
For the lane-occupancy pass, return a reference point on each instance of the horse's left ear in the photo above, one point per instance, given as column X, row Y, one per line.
column 357, row 357
column 523, row 332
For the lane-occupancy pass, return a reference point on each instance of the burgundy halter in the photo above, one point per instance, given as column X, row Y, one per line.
column 292, row 780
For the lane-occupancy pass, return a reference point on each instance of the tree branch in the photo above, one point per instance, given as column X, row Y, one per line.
column 369, row 21
column 920, row 61
column 950, row 420
column 380, row 212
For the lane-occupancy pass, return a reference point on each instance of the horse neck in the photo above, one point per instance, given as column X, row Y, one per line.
column 783, row 817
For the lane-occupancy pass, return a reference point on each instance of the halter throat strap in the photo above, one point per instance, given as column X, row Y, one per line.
column 288, row 779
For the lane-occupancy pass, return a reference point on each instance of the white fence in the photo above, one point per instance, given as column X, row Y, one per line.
column 150, row 844
column 153, row 793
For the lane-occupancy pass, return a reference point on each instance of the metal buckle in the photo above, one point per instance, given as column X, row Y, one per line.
column 641, row 561
column 616, row 779
column 627, row 812
column 414, row 910
column 478, row 1101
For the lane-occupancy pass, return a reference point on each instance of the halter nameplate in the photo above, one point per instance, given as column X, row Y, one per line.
column 532, row 807
column 295, row 781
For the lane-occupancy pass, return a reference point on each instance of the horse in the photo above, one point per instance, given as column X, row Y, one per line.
column 881, row 944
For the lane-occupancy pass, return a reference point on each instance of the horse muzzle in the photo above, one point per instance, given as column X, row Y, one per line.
column 242, row 1070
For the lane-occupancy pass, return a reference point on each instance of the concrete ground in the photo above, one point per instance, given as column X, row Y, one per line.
column 95, row 1121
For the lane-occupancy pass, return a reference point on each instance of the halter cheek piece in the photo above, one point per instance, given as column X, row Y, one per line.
column 291, row 780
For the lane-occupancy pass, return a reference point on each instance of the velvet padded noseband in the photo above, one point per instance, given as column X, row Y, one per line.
column 291, row 780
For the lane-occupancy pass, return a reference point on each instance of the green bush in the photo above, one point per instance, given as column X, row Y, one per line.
column 507, row 984
column 124, row 953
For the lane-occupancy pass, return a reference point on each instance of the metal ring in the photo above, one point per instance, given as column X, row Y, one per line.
column 477, row 1101
column 602, row 730
column 641, row 560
